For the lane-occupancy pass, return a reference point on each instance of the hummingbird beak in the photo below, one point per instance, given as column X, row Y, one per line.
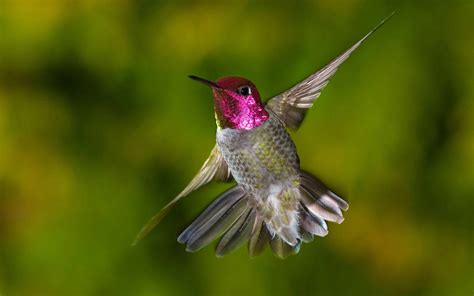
column 205, row 81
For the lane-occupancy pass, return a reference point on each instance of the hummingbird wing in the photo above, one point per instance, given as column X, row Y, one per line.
column 291, row 105
column 214, row 168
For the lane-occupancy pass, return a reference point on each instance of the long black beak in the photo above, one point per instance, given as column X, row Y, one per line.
column 205, row 81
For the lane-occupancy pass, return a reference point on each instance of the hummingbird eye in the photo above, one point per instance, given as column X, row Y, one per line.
column 244, row 90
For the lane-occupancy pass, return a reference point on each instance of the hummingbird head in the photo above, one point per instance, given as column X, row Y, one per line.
column 237, row 103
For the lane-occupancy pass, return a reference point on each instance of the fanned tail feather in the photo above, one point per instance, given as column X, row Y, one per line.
column 224, row 212
column 259, row 238
column 320, row 202
column 282, row 249
column 233, row 216
column 239, row 232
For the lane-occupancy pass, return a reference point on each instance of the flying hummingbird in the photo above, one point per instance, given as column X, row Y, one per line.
column 274, row 201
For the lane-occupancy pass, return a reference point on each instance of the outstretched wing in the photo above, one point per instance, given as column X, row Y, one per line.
column 215, row 168
column 291, row 105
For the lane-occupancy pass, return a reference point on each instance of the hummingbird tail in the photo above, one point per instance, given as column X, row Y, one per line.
column 235, row 216
column 261, row 236
column 314, row 205
column 299, row 214
column 231, row 214
column 318, row 205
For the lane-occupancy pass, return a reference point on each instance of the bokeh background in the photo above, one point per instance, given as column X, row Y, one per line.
column 100, row 127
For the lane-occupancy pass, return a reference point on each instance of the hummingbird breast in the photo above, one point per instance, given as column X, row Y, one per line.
column 260, row 157
column 264, row 162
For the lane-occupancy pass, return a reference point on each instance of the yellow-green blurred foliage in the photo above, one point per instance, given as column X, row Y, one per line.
column 99, row 128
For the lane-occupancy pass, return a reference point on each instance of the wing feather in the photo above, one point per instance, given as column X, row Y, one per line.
column 214, row 168
column 291, row 105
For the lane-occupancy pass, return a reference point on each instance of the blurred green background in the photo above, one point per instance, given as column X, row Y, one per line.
column 100, row 127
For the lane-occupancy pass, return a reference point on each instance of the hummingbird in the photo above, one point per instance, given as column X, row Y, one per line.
column 274, row 201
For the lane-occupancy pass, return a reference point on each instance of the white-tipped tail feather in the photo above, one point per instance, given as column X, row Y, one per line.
column 290, row 216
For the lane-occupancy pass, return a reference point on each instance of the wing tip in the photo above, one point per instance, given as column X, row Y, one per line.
column 386, row 19
column 152, row 223
column 382, row 22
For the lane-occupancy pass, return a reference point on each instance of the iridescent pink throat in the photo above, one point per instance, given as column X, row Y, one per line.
column 238, row 112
